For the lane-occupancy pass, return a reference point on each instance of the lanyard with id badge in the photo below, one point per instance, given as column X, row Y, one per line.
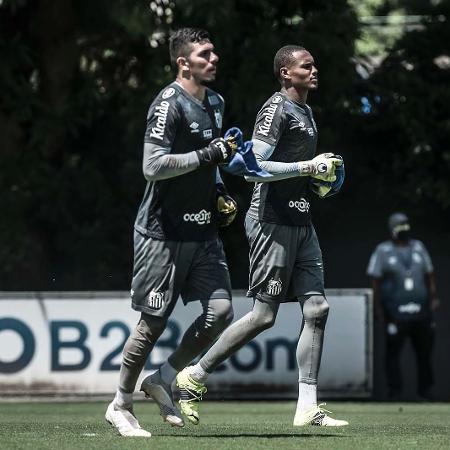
column 406, row 260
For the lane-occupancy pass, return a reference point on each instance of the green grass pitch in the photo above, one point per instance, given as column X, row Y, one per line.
column 227, row 425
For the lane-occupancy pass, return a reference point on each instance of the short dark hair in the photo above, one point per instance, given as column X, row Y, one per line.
column 285, row 58
column 180, row 40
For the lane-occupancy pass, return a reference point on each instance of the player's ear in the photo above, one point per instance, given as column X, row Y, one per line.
column 284, row 73
column 183, row 63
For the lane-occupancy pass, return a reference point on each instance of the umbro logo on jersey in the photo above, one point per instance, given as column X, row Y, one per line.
column 155, row 300
column 160, row 113
column 302, row 205
column 274, row 287
column 268, row 115
column 302, row 127
column 194, row 127
column 201, row 218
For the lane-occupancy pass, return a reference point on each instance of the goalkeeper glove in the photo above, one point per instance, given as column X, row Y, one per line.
column 322, row 167
column 326, row 189
column 219, row 151
column 226, row 207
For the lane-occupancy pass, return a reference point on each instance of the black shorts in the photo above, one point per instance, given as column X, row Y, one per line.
column 164, row 270
column 285, row 261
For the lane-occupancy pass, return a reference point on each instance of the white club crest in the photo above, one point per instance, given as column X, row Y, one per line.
column 155, row 300
column 168, row 93
column 277, row 99
column 274, row 287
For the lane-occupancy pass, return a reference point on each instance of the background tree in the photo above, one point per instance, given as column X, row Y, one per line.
column 77, row 78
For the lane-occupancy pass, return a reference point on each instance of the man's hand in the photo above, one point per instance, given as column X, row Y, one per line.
column 227, row 210
column 322, row 167
column 219, row 151
column 326, row 188
column 434, row 304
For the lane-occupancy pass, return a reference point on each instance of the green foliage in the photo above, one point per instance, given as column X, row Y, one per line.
column 408, row 133
column 77, row 77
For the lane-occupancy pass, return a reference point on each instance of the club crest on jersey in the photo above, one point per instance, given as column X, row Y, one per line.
column 213, row 100
column 392, row 260
column 268, row 115
column 155, row 300
column 207, row 134
column 160, row 113
column 277, row 99
column 274, row 287
column 218, row 117
column 168, row 93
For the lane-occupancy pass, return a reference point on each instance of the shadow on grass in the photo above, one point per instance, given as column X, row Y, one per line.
column 257, row 435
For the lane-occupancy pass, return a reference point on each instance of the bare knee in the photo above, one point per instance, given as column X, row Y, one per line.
column 263, row 320
column 315, row 307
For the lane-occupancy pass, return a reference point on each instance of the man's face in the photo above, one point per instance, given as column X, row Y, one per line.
column 303, row 72
column 203, row 62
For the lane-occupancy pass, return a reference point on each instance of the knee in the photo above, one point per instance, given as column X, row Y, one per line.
column 263, row 322
column 223, row 311
column 150, row 328
column 315, row 307
column 219, row 315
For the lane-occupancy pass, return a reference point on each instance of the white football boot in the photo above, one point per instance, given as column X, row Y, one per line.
column 317, row 417
column 124, row 421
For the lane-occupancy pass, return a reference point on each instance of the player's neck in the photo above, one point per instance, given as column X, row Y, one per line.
column 191, row 86
column 298, row 96
column 401, row 242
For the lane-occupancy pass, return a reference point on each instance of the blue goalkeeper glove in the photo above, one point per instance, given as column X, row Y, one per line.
column 326, row 189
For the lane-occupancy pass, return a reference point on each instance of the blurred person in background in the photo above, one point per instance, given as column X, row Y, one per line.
column 404, row 291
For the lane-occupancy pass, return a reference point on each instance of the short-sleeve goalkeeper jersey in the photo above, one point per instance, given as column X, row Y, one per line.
column 182, row 208
column 290, row 127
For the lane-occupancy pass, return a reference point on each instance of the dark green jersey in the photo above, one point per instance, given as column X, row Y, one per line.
column 182, row 208
column 290, row 128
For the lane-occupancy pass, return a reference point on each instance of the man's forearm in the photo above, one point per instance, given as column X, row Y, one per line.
column 377, row 306
column 431, row 285
column 279, row 170
column 158, row 164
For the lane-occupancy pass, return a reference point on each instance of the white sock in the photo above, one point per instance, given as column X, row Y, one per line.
column 198, row 374
column 123, row 399
column 168, row 373
column 307, row 397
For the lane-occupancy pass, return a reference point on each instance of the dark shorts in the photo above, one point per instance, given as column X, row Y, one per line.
column 164, row 270
column 285, row 261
